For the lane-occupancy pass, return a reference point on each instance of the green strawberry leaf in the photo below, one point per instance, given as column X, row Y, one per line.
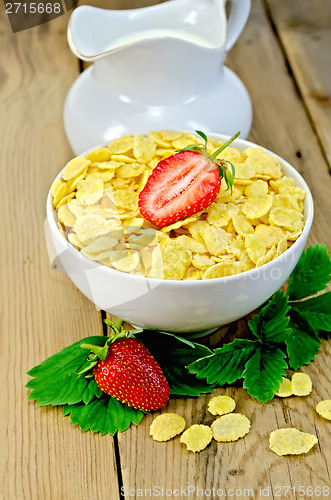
column 173, row 355
column 303, row 342
column 203, row 135
column 55, row 380
column 317, row 311
column 106, row 415
column 311, row 274
column 264, row 372
column 270, row 324
column 226, row 364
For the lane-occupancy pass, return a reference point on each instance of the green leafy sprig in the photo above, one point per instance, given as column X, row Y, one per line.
column 226, row 169
column 66, row 378
column 286, row 332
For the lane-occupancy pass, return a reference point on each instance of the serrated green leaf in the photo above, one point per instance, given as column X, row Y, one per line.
column 317, row 311
column 226, row 364
column 303, row 342
column 264, row 372
column 173, row 355
column 311, row 274
column 270, row 324
column 106, row 415
column 55, row 380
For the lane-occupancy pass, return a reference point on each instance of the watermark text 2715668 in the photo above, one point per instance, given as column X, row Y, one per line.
column 27, row 14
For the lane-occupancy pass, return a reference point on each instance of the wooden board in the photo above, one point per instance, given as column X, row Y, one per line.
column 42, row 455
column 304, row 30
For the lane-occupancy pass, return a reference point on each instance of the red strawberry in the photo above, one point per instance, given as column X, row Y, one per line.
column 184, row 184
column 130, row 374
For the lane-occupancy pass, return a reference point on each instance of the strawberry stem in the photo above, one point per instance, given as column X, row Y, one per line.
column 225, row 145
column 100, row 352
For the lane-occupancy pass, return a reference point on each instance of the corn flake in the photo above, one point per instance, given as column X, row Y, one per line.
column 60, row 192
column 166, row 426
column 257, row 206
column 216, row 240
column 197, row 437
column 143, row 148
column 180, row 223
column 287, row 217
column 65, row 216
column 89, row 191
column 192, row 244
column 101, row 244
column 89, row 226
column 121, row 145
column 285, row 389
column 242, row 225
column 131, row 170
column 255, row 246
column 268, row 257
column 65, row 200
column 75, row 168
column 124, row 261
column 301, row 384
column 324, row 409
column 218, row 214
column 291, row 441
column 170, row 260
column 220, row 405
column 256, row 188
column 230, row 427
column 99, row 155
column 202, row 261
column 223, row 269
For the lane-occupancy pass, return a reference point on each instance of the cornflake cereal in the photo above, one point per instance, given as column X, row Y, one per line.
column 166, row 426
column 285, row 389
column 301, row 384
column 97, row 209
column 324, row 409
column 291, row 441
column 197, row 437
column 220, row 405
column 230, row 427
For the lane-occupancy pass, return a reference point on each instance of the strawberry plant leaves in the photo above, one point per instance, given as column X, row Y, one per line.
column 55, row 380
column 270, row 324
column 106, row 415
column 264, row 372
column 311, row 274
column 173, row 356
column 226, row 364
column 317, row 311
column 303, row 342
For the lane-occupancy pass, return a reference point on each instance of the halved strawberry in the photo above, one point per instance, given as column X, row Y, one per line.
column 184, row 183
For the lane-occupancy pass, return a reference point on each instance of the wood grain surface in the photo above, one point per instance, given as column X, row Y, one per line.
column 282, row 59
column 305, row 37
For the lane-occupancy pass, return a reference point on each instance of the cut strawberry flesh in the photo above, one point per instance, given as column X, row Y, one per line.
column 180, row 185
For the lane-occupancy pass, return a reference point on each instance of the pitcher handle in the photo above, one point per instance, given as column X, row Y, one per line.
column 238, row 16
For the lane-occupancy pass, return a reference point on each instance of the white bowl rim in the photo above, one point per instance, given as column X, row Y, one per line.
column 193, row 283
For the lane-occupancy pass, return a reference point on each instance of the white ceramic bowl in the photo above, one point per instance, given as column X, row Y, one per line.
column 181, row 306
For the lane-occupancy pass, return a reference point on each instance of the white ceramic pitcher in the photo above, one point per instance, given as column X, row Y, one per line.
column 154, row 68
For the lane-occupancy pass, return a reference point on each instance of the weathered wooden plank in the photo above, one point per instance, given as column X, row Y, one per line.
column 281, row 124
column 42, row 455
column 304, row 28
